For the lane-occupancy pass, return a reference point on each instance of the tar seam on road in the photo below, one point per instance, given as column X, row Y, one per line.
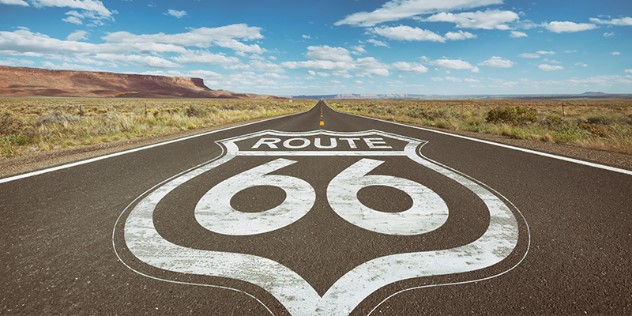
column 530, row 151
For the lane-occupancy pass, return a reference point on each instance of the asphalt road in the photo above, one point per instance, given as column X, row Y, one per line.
column 287, row 216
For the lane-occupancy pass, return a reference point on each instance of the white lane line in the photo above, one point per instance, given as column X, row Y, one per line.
column 129, row 151
column 530, row 151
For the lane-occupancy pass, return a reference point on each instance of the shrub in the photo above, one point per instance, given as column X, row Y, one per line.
column 512, row 114
column 594, row 129
column 10, row 124
column 57, row 117
column 18, row 139
column 600, row 120
column 194, row 111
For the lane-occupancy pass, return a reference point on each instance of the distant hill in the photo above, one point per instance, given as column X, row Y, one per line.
column 585, row 95
column 21, row 81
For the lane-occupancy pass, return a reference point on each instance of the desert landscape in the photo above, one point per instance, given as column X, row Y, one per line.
column 21, row 81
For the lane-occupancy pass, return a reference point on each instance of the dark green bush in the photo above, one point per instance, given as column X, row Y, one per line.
column 10, row 124
column 517, row 115
column 600, row 120
column 194, row 111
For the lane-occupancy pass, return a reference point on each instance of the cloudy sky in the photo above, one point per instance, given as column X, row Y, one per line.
column 292, row 47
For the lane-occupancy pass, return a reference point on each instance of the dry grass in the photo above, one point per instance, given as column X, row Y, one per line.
column 596, row 124
column 29, row 124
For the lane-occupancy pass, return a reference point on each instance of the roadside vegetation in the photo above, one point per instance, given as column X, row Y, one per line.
column 596, row 124
column 31, row 124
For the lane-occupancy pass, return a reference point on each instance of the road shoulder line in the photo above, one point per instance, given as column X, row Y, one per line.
column 525, row 150
column 129, row 151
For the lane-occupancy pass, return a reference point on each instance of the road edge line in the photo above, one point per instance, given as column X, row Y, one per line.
column 133, row 150
column 488, row 142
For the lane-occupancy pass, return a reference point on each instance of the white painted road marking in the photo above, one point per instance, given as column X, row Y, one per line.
column 427, row 213
column 289, row 288
column 215, row 213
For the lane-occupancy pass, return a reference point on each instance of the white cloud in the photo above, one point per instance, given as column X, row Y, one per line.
column 516, row 34
column 455, row 79
column 410, row 67
column 87, row 5
column 609, row 34
column 324, row 74
column 144, row 60
column 454, row 64
column 488, row 20
column 377, row 43
column 16, row 62
column 537, row 54
column 257, row 65
column 583, row 65
column 568, row 27
column 77, row 17
column 123, row 48
column 240, row 47
column 318, row 64
column 547, row 67
column 460, row 35
column 395, row 10
column 205, row 57
column 626, row 21
column 24, row 41
column 77, row 36
column 73, row 20
column 497, row 62
column 305, row 36
column 551, row 61
column 369, row 66
column 358, row 50
column 328, row 53
column 545, row 52
column 529, row 55
column 318, row 73
column 66, row 66
column 628, row 71
column 93, row 10
column 15, row 2
column 615, row 53
column 223, row 36
column 339, row 61
column 176, row 13
column 407, row 33
column 605, row 81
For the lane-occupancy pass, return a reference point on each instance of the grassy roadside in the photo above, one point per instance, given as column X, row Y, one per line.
column 32, row 124
column 595, row 124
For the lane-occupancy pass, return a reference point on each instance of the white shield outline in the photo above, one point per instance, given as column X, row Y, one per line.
column 289, row 288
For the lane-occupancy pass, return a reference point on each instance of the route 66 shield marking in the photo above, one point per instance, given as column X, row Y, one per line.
column 215, row 212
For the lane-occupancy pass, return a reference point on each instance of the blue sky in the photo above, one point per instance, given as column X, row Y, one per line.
column 293, row 47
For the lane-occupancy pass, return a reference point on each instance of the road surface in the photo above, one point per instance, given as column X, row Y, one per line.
column 319, row 213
